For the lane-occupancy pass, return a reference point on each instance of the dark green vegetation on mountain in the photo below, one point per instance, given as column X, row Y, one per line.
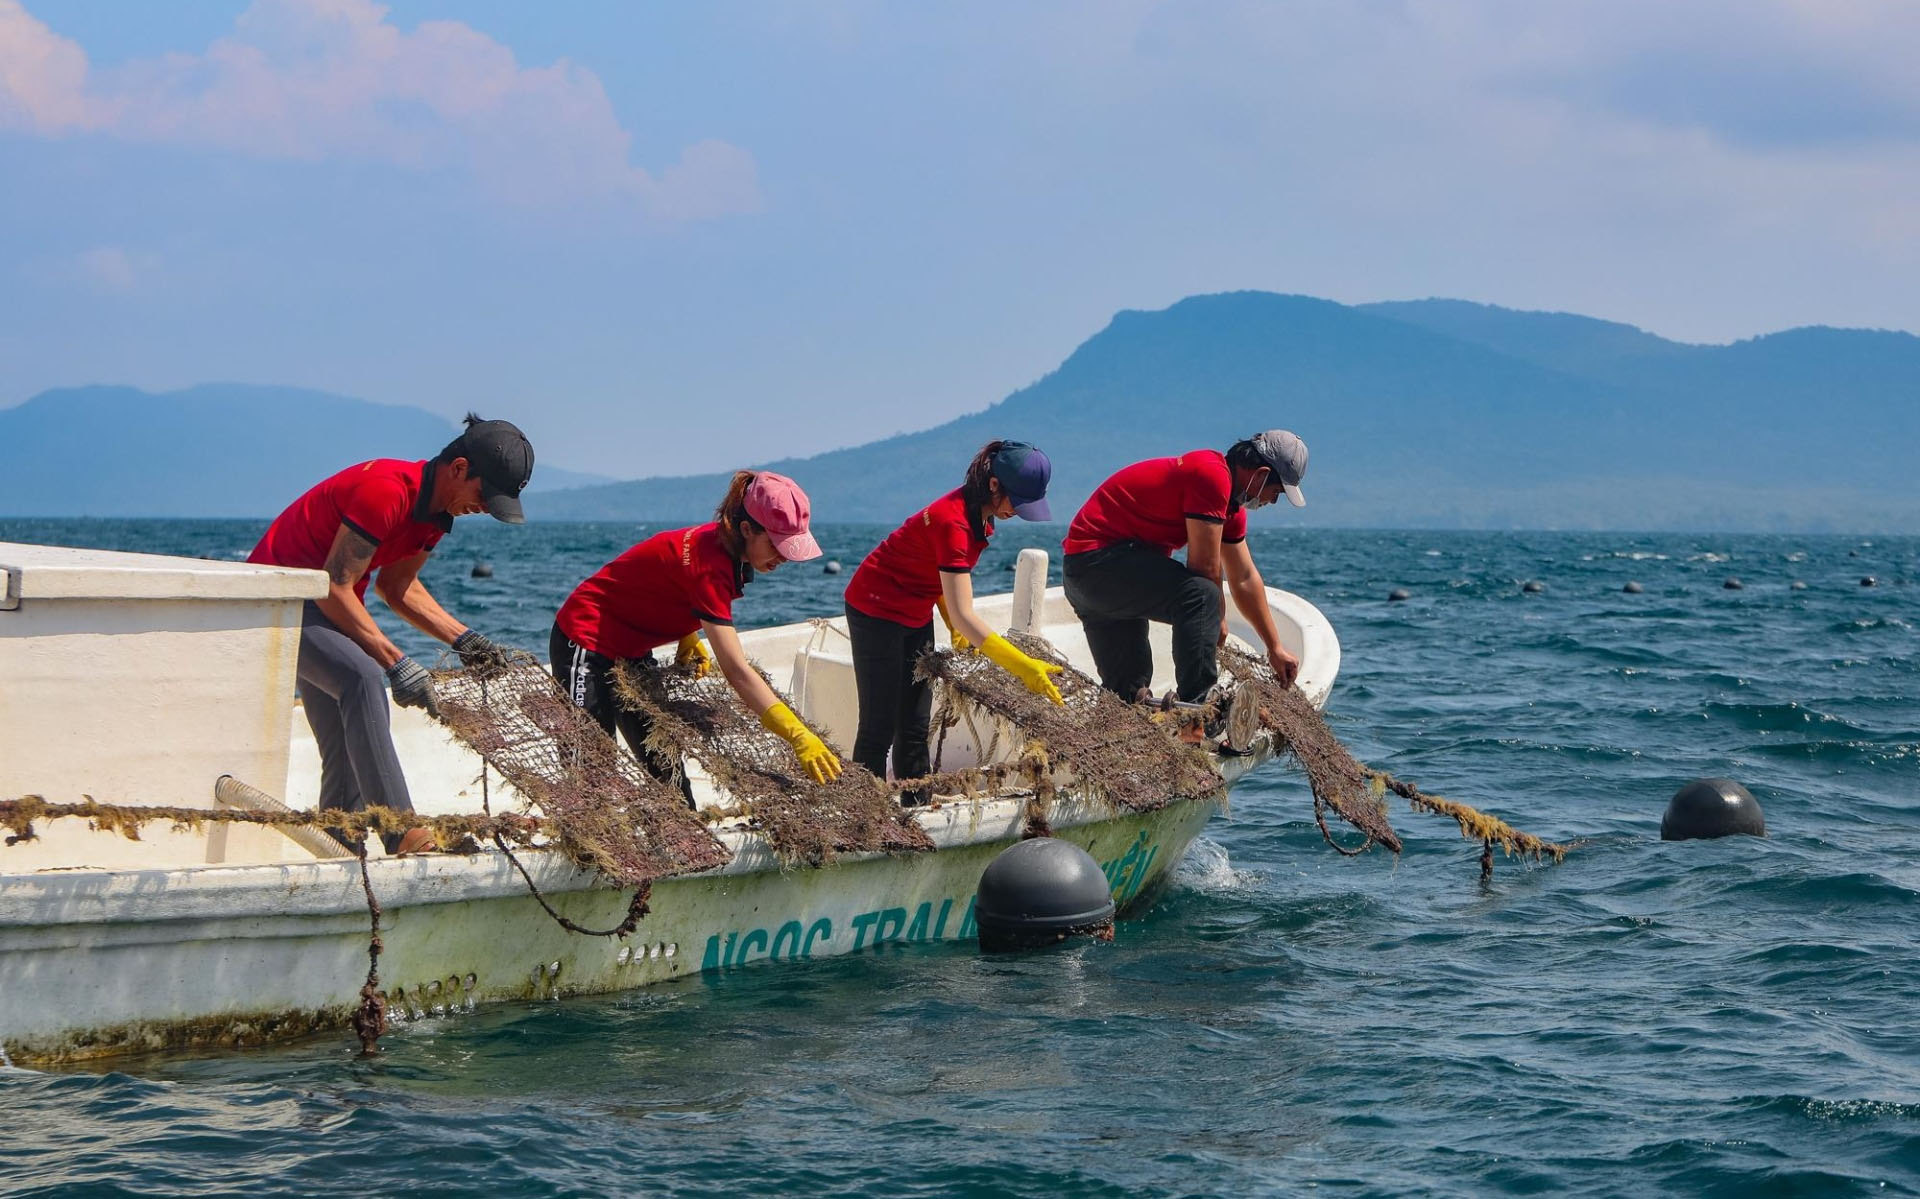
column 1420, row 413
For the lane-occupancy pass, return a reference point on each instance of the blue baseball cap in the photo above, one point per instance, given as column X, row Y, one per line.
column 1024, row 473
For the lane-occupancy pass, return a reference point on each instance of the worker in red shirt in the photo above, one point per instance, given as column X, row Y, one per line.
column 377, row 522
column 1120, row 573
column 670, row 588
column 927, row 563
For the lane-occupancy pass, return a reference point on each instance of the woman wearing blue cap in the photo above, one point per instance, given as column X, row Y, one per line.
column 927, row 563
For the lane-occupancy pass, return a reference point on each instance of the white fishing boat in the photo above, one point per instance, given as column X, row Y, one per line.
column 136, row 679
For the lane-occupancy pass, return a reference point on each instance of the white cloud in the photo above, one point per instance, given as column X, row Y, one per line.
column 109, row 269
column 333, row 79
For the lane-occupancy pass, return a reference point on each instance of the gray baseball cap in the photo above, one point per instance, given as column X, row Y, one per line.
column 1286, row 456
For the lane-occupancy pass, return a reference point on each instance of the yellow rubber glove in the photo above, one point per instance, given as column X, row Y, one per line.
column 1031, row 671
column 692, row 654
column 959, row 641
column 819, row 762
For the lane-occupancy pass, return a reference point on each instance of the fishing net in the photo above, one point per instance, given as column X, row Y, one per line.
column 1356, row 793
column 1114, row 750
column 700, row 718
column 609, row 812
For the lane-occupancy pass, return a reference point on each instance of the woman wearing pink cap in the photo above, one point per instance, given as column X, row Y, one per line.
column 927, row 563
column 669, row 588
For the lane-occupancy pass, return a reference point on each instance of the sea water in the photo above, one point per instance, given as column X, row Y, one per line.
column 1730, row 1017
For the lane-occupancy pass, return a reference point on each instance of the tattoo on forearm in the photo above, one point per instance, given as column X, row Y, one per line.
column 351, row 554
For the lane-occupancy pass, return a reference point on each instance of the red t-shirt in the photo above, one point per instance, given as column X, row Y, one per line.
column 1150, row 502
column 900, row 579
column 388, row 501
column 654, row 594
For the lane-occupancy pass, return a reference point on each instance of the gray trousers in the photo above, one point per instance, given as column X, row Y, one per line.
column 344, row 693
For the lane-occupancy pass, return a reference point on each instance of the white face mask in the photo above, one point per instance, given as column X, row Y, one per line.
column 1253, row 499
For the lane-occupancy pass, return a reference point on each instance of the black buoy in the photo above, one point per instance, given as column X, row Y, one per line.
column 1533, row 587
column 832, row 567
column 481, row 570
column 1633, row 588
column 1039, row 892
column 1733, row 584
column 1398, row 594
column 1708, row 808
column 1796, row 585
column 1869, row 581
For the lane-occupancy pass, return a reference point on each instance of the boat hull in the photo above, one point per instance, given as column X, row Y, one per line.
column 242, row 956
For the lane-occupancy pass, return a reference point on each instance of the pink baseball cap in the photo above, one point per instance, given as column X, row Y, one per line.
column 777, row 505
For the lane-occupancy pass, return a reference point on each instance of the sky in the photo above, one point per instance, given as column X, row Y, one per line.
column 673, row 238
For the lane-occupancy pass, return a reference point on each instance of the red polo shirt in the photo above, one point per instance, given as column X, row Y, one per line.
column 388, row 501
column 1150, row 502
column 654, row 594
column 900, row 579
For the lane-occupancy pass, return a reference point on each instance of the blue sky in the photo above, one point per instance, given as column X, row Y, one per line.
column 674, row 238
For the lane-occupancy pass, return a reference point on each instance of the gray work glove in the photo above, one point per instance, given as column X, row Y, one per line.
column 478, row 650
column 412, row 686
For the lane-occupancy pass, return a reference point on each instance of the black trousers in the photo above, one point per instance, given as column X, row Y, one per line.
column 344, row 694
column 1117, row 589
column 587, row 678
column 895, row 709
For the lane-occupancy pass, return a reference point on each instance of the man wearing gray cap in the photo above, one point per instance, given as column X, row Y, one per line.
column 1120, row 573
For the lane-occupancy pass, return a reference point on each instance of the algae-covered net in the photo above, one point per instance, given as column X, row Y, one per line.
column 1356, row 793
column 609, row 813
column 700, row 718
column 1113, row 749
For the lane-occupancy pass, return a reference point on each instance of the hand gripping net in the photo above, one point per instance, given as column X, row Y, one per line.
column 806, row 822
column 1112, row 749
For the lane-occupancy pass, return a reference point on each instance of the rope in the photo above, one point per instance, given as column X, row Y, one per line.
column 635, row 910
column 371, row 1019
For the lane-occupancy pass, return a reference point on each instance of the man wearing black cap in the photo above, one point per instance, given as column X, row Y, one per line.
column 1120, row 573
column 379, row 521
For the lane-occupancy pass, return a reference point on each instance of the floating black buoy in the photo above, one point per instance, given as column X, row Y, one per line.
column 1533, row 587
column 1633, row 588
column 1796, row 585
column 481, row 570
column 1869, row 581
column 1039, row 892
column 1398, row 594
column 832, row 567
column 1707, row 808
column 1733, row 584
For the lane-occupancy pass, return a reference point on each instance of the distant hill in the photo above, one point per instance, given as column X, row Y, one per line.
column 220, row 449
column 1430, row 413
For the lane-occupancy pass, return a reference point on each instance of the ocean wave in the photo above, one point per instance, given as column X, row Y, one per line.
column 1784, row 717
column 1869, row 624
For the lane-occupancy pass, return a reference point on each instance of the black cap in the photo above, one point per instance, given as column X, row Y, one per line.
column 500, row 454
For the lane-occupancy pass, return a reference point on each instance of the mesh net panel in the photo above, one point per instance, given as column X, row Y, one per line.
column 1337, row 780
column 805, row 822
column 1113, row 749
column 609, row 813
column 1356, row 793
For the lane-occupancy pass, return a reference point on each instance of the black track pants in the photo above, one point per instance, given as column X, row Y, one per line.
column 587, row 678
column 344, row 694
column 894, row 707
column 1117, row 589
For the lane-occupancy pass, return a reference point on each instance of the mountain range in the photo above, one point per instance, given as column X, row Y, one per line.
column 1427, row 413
column 219, row 449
